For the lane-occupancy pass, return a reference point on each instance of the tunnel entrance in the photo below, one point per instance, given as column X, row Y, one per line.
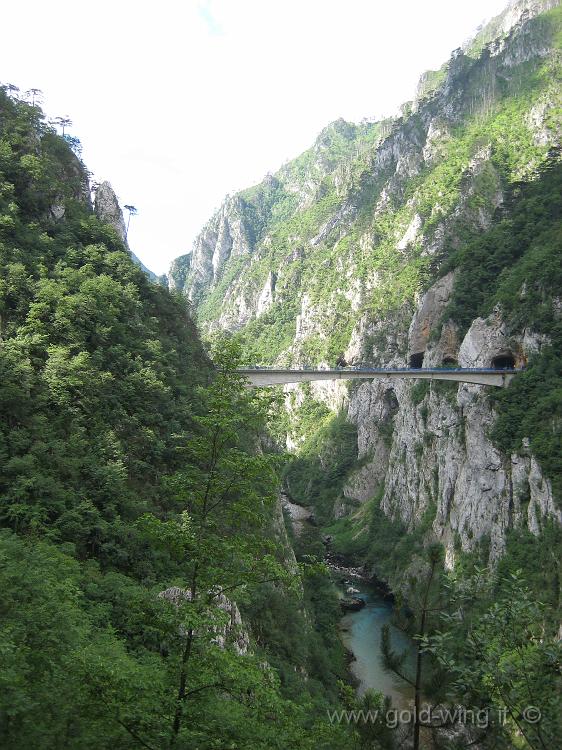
column 416, row 360
column 504, row 362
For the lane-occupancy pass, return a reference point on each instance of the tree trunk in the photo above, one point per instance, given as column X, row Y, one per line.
column 419, row 665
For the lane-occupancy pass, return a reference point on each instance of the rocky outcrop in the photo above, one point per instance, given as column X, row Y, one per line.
column 411, row 234
column 428, row 314
column 224, row 237
column 107, row 208
column 229, row 633
column 267, row 295
column 298, row 514
column 489, row 340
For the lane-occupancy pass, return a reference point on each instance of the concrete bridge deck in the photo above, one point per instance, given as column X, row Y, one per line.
column 263, row 376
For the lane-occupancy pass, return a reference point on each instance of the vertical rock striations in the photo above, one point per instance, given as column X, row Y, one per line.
column 351, row 253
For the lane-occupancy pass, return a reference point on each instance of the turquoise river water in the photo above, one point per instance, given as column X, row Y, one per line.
column 361, row 634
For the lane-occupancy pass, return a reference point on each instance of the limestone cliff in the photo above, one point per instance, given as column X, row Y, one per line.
column 107, row 208
column 441, row 455
column 347, row 255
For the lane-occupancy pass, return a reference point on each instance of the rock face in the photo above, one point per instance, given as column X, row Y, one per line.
column 439, row 457
column 298, row 514
column 489, row 339
column 265, row 300
column 337, row 255
column 107, row 208
column 231, row 633
column 428, row 315
column 224, row 237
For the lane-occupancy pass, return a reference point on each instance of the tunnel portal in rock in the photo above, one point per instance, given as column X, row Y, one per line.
column 416, row 360
column 503, row 361
column 450, row 362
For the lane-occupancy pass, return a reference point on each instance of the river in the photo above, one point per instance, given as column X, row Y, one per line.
column 361, row 634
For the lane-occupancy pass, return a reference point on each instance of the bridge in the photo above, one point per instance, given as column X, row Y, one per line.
column 263, row 376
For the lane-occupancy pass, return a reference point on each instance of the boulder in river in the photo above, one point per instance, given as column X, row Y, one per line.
column 353, row 604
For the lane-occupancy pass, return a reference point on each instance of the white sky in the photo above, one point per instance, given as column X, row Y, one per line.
column 178, row 103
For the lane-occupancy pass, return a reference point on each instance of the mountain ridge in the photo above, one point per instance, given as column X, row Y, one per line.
column 355, row 251
column 342, row 132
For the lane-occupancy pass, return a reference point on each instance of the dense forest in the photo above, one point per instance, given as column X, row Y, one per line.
column 137, row 500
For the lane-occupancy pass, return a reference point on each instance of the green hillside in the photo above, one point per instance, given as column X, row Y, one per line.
column 128, row 468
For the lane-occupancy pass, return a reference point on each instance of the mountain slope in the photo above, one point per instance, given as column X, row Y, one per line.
column 374, row 246
column 341, row 209
column 116, row 433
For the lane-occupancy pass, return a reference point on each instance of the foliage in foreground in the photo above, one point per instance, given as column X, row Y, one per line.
column 136, row 502
column 97, row 660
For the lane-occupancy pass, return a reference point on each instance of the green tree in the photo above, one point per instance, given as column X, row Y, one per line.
column 35, row 95
column 227, row 491
column 495, row 646
column 132, row 211
column 425, row 603
column 52, row 653
column 63, row 123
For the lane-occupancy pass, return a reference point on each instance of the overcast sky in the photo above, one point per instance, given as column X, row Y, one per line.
column 178, row 103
